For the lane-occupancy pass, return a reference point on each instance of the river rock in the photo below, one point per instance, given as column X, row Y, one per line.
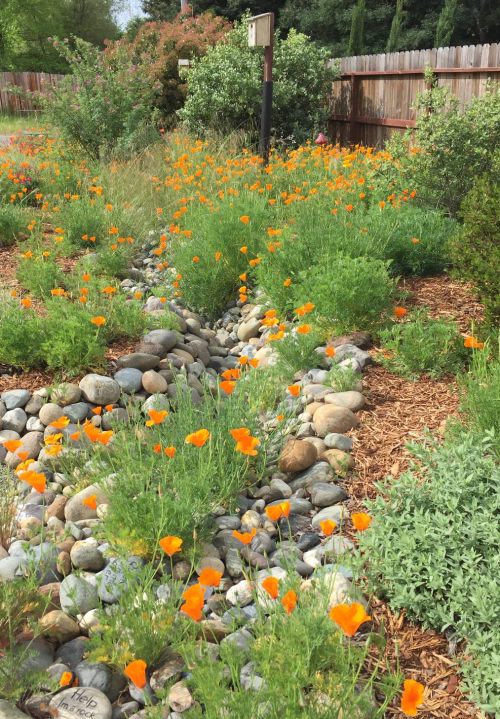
column 59, row 626
column 15, row 398
column 352, row 400
column 296, row 456
column 99, row 389
column 166, row 338
column 138, row 360
column 50, row 412
column 15, row 420
column 340, row 462
column 324, row 495
column 77, row 595
column 334, row 440
column 86, row 555
column 330, row 418
column 153, row 382
column 114, row 579
column 66, row 393
column 129, row 379
column 31, row 443
column 75, row 510
column 336, row 513
column 81, row 703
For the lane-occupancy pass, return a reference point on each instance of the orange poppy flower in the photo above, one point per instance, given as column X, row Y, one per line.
column 303, row 329
column 361, row 521
column 210, row 577
column 287, row 282
column 86, row 277
column 170, row 452
column 412, row 697
column 109, row 407
column 255, row 261
column 194, row 611
column 247, row 446
column 245, row 219
column 349, row 208
column 244, row 249
column 53, row 438
column 254, row 362
column 294, row 389
column 233, row 373
column 218, row 255
column 26, row 302
column 96, row 410
column 60, row 423
column 330, row 351
column 171, row 544
column 58, row 292
column 271, row 586
column 104, row 437
column 243, row 277
column 12, row 444
column 53, row 450
column 66, row 679
column 109, row 290
column 415, row 240
column 136, row 672
column 400, row 312
column 198, row 438
column 99, row 320
column 91, row 501
column 195, row 594
column 75, row 436
column 113, row 231
column 243, row 360
column 157, row 448
column 289, row 601
column 156, row 416
column 473, row 343
column 138, row 295
column 35, row 479
column 227, row 386
column 276, row 511
column 349, row 617
column 327, row 526
column 23, row 455
column 245, row 537
column 239, row 433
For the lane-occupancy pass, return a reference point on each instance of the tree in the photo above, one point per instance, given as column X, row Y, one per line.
column 27, row 26
column 396, row 26
column 356, row 39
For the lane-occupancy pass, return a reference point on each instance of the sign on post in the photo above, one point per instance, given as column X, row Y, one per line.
column 261, row 34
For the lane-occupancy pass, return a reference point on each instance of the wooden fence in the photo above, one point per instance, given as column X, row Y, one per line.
column 13, row 104
column 375, row 93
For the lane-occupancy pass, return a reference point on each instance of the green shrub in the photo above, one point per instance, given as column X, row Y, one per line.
column 225, row 87
column 432, row 550
column 88, row 217
column 21, row 335
column 70, row 341
column 423, row 345
column 349, row 293
column 343, row 379
column 39, row 275
column 101, row 100
column 475, row 250
column 296, row 352
column 480, row 394
column 13, row 223
column 209, row 283
column 454, row 146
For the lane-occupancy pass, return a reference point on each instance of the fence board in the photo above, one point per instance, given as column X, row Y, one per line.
column 28, row 82
column 386, row 87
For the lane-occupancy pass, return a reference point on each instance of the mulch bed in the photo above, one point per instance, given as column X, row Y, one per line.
column 398, row 411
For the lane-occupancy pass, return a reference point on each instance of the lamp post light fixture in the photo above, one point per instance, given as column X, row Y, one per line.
column 261, row 34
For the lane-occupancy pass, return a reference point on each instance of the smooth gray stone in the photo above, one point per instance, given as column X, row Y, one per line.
column 114, row 579
column 15, row 398
column 129, row 379
column 77, row 595
column 81, row 703
column 77, row 412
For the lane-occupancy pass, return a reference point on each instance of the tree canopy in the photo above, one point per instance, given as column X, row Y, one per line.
column 27, row 26
column 346, row 25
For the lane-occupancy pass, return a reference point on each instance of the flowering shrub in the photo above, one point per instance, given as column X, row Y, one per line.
column 451, row 146
column 102, row 101
column 158, row 46
column 225, row 87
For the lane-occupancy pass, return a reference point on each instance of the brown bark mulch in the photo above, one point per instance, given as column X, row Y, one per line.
column 397, row 413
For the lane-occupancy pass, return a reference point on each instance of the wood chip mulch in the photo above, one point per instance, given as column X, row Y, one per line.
column 446, row 298
column 397, row 412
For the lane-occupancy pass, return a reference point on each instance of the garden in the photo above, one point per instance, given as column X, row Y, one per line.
column 249, row 422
